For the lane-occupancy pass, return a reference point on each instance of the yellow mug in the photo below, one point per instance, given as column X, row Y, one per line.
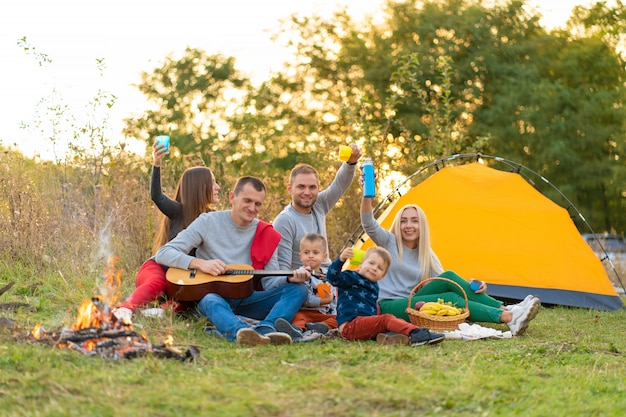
column 357, row 257
column 345, row 152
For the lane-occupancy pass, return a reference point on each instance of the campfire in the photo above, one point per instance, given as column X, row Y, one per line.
column 96, row 331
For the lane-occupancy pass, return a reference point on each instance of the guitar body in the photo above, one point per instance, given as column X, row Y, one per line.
column 192, row 285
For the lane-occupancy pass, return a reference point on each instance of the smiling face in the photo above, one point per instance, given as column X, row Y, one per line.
column 246, row 204
column 410, row 227
column 373, row 267
column 216, row 190
column 304, row 189
column 312, row 253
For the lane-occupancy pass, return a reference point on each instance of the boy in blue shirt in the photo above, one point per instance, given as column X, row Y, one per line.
column 357, row 313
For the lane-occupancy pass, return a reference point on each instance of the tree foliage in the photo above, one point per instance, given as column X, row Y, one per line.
column 430, row 78
column 191, row 97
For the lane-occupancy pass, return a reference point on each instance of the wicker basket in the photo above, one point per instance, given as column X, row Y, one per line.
column 430, row 321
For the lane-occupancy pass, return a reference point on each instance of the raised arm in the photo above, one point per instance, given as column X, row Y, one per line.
column 379, row 235
column 167, row 206
column 345, row 174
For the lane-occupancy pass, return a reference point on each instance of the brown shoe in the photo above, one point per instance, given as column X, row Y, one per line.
column 390, row 338
column 248, row 337
column 279, row 338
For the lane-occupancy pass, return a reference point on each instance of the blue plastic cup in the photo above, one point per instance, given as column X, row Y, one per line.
column 475, row 284
column 163, row 140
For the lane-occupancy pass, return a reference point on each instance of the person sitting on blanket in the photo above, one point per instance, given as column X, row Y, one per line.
column 356, row 306
column 228, row 237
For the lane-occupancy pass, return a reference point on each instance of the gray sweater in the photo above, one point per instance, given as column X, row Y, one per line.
column 293, row 225
column 216, row 236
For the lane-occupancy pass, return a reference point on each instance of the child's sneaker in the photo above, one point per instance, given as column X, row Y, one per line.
column 390, row 338
column 317, row 327
column 423, row 336
column 284, row 326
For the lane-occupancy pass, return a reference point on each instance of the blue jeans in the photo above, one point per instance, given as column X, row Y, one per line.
column 265, row 306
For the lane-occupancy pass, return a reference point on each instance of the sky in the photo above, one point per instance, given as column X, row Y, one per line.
column 134, row 36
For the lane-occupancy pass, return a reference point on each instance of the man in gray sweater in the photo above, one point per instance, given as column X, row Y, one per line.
column 228, row 237
column 308, row 208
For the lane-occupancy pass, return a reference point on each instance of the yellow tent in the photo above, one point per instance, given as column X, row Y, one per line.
column 494, row 226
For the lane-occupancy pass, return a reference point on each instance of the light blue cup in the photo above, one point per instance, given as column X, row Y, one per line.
column 163, row 140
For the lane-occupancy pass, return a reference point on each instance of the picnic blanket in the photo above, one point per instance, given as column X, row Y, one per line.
column 466, row 331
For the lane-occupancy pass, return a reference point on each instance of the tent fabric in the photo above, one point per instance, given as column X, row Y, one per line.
column 494, row 226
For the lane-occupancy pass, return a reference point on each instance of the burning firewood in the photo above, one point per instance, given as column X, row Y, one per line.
column 96, row 331
column 110, row 342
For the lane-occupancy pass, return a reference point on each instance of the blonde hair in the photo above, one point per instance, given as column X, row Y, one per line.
column 425, row 253
column 313, row 237
column 380, row 251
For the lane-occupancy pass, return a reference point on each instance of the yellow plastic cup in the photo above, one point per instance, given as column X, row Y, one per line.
column 357, row 257
column 345, row 152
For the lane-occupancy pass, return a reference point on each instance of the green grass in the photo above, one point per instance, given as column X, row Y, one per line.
column 570, row 363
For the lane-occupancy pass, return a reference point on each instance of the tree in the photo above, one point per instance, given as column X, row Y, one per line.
column 438, row 77
column 548, row 100
column 191, row 96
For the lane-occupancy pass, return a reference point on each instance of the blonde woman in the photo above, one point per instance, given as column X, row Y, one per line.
column 408, row 241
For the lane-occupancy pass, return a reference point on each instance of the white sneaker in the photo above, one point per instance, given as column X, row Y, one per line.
column 533, row 308
column 153, row 312
column 123, row 314
column 519, row 321
column 523, row 303
column 522, row 315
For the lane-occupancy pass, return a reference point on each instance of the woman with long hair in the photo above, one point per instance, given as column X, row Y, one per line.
column 408, row 241
column 196, row 191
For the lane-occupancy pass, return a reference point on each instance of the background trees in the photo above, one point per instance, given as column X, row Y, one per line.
column 425, row 80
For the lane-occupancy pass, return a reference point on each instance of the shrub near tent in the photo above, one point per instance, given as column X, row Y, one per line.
column 494, row 226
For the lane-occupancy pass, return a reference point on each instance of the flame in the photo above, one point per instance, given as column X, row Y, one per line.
column 88, row 316
column 111, row 336
column 112, row 281
column 36, row 332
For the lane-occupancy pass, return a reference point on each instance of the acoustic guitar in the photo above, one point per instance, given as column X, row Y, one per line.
column 236, row 282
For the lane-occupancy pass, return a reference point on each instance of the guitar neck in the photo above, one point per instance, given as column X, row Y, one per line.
column 267, row 273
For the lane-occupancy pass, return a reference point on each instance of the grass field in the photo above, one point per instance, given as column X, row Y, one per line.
column 571, row 362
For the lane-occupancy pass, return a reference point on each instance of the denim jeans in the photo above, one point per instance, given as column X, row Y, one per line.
column 265, row 306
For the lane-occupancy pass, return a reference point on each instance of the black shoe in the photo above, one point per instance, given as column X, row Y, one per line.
column 284, row 326
column 436, row 338
column 317, row 327
column 423, row 336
